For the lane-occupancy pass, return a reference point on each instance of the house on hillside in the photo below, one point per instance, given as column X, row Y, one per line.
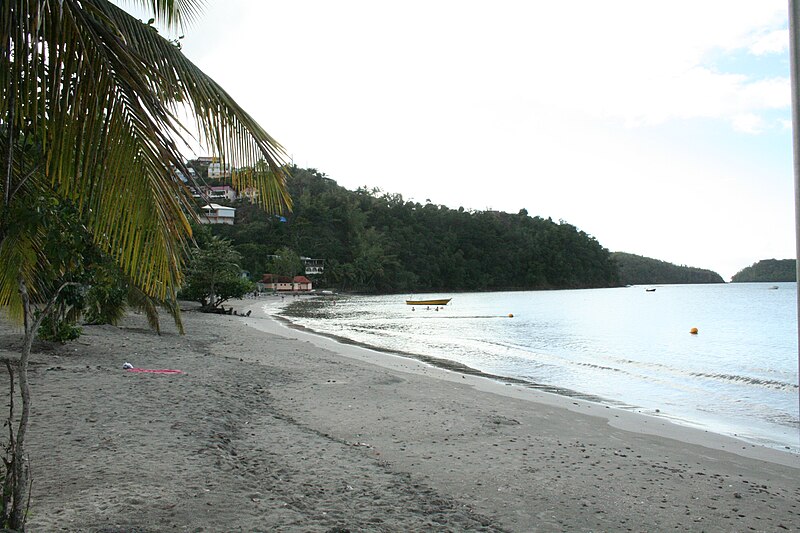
column 313, row 266
column 218, row 171
column 273, row 282
column 191, row 178
column 217, row 214
column 251, row 193
column 223, row 192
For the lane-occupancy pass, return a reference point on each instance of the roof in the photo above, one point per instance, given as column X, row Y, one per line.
column 301, row 279
column 274, row 278
column 217, row 206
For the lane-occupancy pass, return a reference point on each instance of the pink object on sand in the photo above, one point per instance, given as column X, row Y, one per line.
column 155, row 370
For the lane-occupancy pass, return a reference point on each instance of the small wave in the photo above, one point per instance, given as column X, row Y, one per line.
column 767, row 383
column 601, row 367
column 475, row 316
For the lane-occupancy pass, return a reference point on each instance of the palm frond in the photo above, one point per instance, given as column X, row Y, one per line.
column 103, row 92
column 22, row 246
column 145, row 304
column 140, row 301
column 172, row 13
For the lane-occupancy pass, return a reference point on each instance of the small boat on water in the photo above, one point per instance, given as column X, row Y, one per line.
column 651, row 289
column 442, row 301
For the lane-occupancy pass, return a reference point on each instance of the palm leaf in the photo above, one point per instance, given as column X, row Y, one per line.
column 146, row 304
column 102, row 93
column 22, row 246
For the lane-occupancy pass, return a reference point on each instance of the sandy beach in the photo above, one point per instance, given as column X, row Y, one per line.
column 274, row 429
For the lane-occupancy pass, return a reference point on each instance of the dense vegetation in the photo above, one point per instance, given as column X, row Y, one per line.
column 638, row 270
column 773, row 270
column 376, row 242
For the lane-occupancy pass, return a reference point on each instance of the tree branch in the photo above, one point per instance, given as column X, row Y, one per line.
column 22, row 182
column 44, row 312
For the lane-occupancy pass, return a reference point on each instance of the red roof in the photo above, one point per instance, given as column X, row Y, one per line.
column 274, row 278
column 301, row 279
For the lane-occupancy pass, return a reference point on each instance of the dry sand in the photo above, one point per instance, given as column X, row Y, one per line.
column 271, row 429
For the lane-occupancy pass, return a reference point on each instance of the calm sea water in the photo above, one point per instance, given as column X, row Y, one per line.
column 626, row 346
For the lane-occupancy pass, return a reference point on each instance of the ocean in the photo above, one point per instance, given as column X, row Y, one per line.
column 626, row 347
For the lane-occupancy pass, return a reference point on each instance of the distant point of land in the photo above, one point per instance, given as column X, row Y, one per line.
column 768, row 270
column 639, row 270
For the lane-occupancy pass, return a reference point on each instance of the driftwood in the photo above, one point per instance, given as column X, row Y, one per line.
column 222, row 311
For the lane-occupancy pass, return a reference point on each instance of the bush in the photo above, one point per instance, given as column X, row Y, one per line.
column 58, row 331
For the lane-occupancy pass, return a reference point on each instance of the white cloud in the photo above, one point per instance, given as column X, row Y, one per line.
column 631, row 61
column 748, row 123
column 772, row 42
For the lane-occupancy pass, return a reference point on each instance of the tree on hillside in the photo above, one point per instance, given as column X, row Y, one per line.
column 89, row 114
column 373, row 241
column 638, row 270
column 769, row 270
column 285, row 262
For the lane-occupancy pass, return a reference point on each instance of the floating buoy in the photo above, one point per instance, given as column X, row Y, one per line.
column 510, row 315
column 693, row 331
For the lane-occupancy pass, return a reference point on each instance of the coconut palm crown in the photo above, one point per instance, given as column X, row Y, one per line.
column 92, row 109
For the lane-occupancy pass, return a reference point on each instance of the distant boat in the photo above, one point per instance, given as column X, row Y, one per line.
column 443, row 301
column 652, row 289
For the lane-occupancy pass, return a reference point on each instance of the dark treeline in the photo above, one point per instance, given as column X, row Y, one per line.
column 773, row 270
column 638, row 270
column 376, row 242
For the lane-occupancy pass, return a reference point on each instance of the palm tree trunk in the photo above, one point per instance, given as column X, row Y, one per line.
column 8, row 482
column 20, row 467
column 20, row 482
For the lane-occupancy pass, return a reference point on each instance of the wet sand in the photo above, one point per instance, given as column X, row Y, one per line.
column 272, row 429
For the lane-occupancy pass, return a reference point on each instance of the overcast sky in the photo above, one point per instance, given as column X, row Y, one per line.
column 661, row 128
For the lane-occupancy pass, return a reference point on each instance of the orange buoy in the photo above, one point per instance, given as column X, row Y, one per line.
column 510, row 315
column 693, row 331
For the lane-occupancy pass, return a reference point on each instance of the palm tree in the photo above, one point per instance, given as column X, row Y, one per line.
column 90, row 115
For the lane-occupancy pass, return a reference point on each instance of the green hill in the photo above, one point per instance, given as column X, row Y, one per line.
column 771, row 270
column 378, row 242
column 638, row 270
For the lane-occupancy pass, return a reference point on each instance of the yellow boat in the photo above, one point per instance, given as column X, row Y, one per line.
column 443, row 301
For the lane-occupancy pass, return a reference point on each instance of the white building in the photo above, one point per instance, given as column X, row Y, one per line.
column 217, row 214
column 191, row 178
column 218, row 171
column 224, row 192
column 313, row 266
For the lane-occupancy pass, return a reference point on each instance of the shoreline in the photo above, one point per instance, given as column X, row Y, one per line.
column 281, row 431
column 619, row 416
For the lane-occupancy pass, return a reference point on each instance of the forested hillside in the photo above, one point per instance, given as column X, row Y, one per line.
column 638, row 270
column 773, row 270
column 376, row 242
